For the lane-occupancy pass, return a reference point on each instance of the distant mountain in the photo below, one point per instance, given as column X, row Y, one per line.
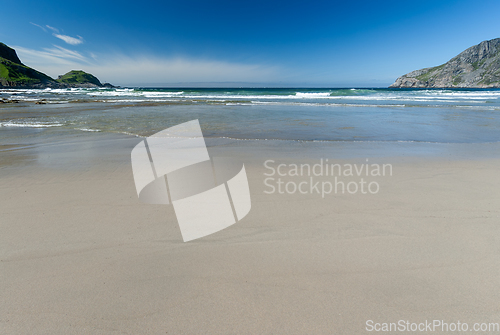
column 476, row 67
column 14, row 74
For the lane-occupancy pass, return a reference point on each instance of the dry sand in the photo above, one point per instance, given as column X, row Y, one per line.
column 80, row 254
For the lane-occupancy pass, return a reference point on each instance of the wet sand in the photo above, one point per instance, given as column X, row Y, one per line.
column 80, row 254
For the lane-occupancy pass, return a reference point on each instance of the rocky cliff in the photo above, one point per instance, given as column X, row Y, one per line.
column 476, row 67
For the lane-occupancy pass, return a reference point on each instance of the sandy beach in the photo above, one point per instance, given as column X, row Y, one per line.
column 80, row 254
column 248, row 168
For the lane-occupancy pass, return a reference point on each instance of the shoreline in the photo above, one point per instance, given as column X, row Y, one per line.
column 35, row 141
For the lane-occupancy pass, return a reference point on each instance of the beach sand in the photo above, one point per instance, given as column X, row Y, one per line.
column 80, row 254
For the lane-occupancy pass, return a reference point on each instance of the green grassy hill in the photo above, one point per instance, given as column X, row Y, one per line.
column 14, row 73
column 78, row 77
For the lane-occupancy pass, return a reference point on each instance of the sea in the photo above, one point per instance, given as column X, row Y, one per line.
column 267, row 114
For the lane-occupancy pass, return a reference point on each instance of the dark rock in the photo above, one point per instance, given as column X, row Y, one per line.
column 108, row 85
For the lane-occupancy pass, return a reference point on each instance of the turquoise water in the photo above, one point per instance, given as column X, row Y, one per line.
column 363, row 115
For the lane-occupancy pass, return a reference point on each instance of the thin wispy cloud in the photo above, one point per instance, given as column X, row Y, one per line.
column 137, row 70
column 57, row 55
column 122, row 69
column 56, row 33
column 52, row 28
column 119, row 69
column 66, row 53
column 69, row 39
column 43, row 28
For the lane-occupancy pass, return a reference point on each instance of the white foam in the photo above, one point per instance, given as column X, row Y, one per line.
column 390, row 97
column 87, row 129
column 29, row 124
column 312, row 95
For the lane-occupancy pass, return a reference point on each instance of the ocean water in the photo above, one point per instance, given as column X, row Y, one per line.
column 294, row 114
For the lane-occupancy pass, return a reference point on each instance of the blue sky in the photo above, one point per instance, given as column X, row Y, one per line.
column 241, row 43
